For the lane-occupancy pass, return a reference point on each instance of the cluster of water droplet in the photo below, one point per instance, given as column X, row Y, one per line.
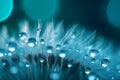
column 48, row 56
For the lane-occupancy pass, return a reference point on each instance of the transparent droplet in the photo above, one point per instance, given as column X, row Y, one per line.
column 93, row 60
column 62, row 54
column 12, row 46
column 93, row 53
column 2, row 52
column 88, row 70
column 58, row 47
column 42, row 41
column 32, row 42
column 22, row 36
column 92, row 76
column 69, row 65
column 4, row 62
column 54, row 76
column 42, row 60
column 14, row 70
column 27, row 65
column 104, row 62
column 49, row 49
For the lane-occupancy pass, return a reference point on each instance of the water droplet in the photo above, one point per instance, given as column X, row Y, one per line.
column 58, row 47
column 14, row 70
column 54, row 76
column 62, row 54
column 88, row 70
column 32, row 42
column 49, row 49
column 93, row 53
column 39, row 58
column 4, row 62
column 42, row 41
column 104, row 62
column 23, row 36
column 12, row 46
column 92, row 76
column 69, row 65
column 27, row 65
column 93, row 60
column 2, row 52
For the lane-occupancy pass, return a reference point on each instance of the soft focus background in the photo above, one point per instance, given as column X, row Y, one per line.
column 92, row 14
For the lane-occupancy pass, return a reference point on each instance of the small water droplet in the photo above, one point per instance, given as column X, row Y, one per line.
column 93, row 53
column 104, row 62
column 22, row 36
column 88, row 70
column 69, row 65
column 62, row 54
column 27, row 65
column 49, row 49
column 42, row 41
column 12, row 46
column 58, row 47
column 93, row 60
column 32, row 42
column 2, row 52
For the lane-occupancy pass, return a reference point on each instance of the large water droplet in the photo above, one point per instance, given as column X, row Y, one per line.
column 12, row 46
column 23, row 36
column 93, row 53
column 104, row 62
column 32, row 42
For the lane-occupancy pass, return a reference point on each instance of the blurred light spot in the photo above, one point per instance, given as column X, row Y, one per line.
column 113, row 12
column 6, row 7
column 40, row 9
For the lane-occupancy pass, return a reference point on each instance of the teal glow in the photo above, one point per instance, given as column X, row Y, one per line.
column 6, row 7
column 113, row 12
column 40, row 9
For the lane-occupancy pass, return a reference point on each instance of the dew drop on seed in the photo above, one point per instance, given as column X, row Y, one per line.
column 88, row 70
column 62, row 54
column 27, row 65
column 2, row 52
column 93, row 53
column 42, row 41
column 49, row 49
column 69, row 65
column 12, row 46
column 93, row 60
column 58, row 47
column 22, row 36
column 32, row 42
column 104, row 62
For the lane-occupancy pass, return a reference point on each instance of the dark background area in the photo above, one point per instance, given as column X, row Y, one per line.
column 88, row 13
